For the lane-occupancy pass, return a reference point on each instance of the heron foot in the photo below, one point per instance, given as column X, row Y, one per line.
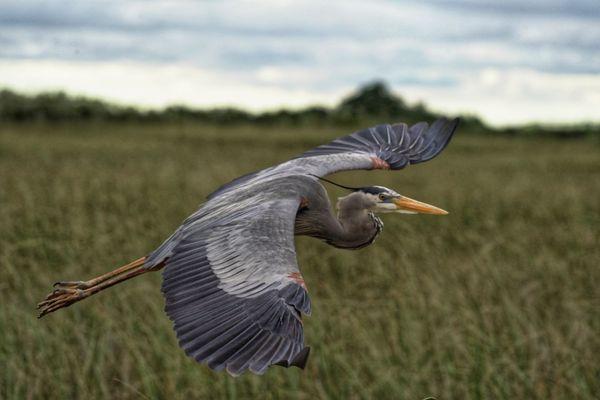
column 64, row 294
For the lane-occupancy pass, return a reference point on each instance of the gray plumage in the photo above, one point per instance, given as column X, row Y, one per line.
column 231, row 281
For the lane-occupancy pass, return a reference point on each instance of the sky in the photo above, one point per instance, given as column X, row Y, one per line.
column 509, row 62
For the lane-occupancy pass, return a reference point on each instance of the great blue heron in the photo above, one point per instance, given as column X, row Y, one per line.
column 231, row 282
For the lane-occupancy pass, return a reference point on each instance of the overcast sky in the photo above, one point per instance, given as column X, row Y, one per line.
column 508, row 61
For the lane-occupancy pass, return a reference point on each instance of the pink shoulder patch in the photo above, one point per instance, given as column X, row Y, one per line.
column 303, row 202
column 297, row 277
column 378, row 163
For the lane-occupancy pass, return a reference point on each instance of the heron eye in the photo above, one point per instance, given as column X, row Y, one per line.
column 382, row 197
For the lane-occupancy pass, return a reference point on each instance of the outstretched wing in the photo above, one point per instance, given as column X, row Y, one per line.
column 233, row 288
column 380, row 147
column 386, row 146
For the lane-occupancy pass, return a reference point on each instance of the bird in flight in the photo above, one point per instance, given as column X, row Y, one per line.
column 231, row 282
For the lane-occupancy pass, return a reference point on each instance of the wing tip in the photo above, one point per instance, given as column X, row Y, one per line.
column 299, row 361
column 441, row 132
column 301, row 358
column 450, row 126
column 455, row 123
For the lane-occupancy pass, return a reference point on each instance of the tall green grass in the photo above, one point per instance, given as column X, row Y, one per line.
column 499, row 299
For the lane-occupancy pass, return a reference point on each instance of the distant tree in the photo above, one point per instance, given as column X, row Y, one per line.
column 373, row 100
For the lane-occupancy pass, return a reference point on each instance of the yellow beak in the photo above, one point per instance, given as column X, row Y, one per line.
column 410, row 206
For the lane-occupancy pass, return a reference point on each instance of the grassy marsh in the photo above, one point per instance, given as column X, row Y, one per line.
column 499, row 299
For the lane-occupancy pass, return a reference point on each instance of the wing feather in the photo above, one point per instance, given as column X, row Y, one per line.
column 228, row 285
column 382, row 146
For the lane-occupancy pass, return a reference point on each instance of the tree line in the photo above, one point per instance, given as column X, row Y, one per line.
column 369, row 104
column 373, row 101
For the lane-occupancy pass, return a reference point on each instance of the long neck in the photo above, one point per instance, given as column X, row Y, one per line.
column 354, row 227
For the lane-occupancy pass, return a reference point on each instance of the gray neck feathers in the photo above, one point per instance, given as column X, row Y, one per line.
column 354, row 207
column 355, row 226
column 359, row 226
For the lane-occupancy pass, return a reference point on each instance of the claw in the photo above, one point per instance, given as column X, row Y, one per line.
column 59, row 298
column 51, row 295
column 42, row 303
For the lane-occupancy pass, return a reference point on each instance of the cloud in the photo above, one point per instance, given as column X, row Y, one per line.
column 536, row 8
column 301, row 51
column 508, row 97
column 155, row 85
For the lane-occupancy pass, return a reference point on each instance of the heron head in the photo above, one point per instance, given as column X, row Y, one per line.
column 386, row 200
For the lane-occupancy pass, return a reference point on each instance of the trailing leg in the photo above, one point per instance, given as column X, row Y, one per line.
column 66, row 293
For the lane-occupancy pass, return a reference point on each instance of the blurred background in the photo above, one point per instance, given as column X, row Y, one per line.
column 117, row 118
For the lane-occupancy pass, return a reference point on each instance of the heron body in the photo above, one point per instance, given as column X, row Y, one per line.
column 231, row 282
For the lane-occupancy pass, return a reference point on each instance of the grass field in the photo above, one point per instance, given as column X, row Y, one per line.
column 498, row 300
